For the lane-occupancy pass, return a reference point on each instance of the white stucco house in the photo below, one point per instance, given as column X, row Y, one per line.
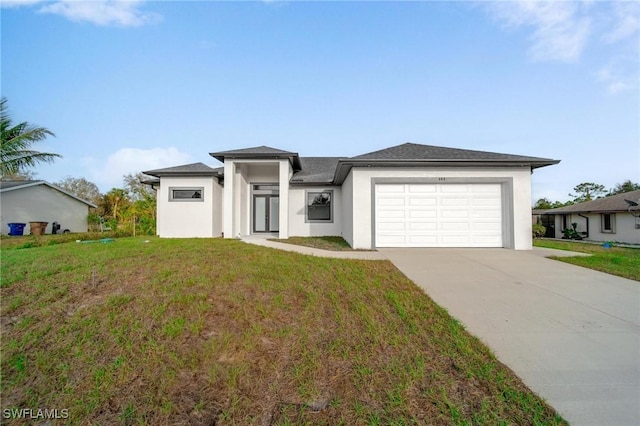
column 408, row 195
column 604, row 219
column 39, row 201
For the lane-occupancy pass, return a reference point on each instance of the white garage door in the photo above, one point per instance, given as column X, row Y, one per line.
column 438, row 215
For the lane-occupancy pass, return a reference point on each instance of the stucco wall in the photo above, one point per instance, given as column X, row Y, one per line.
column 298, row 225
column 42, row 204
column 347, row 209
column 516, row 212
column 625, row 231
column 185, row 219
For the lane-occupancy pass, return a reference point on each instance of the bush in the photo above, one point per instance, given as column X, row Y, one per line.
column 539, row 230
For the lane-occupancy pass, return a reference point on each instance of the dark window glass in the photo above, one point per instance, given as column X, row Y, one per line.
column 319, row 205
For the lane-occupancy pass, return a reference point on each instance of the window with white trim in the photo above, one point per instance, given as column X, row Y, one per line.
column 189, row 194
column 319, row 206
column 608, row 223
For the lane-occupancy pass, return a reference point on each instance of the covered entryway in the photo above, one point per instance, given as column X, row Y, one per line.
column 438, row 215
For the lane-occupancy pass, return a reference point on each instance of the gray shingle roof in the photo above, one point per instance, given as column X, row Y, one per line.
column 256, row 150
column 613, row 203
column 332, row 170
column 412, row 151
column 316, row 170
column 17, row 184
column 187, row 169
column 6, row 184
column 259, row 152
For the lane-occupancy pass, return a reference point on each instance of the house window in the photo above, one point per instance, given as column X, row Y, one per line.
column 608, row 223
column 320, row 206
column 191, row 193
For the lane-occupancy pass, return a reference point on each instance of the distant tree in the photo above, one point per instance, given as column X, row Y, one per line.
column 626, row 186
column 141, row 213
column 81, row 188
column 23, row 175
column 587, row 191
column 545, row 204
column 114, row 203
column 16, row 155
column 136, row 189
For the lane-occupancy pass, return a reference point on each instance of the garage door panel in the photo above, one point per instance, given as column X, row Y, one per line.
column 391, row 202
column 438, row 215
column 422, row 214
column 454, row 226
column 486, row 201
column 422, row 226
column 446, row 201
column 396, row 214
column 422, row 240
column 391, row 226
column 386, row 189
column 452, row 189
column 420, row 189
column 423, row 201
column 449, row 214
column 392, row 241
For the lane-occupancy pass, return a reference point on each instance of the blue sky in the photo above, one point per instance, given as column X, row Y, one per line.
column 133, row 86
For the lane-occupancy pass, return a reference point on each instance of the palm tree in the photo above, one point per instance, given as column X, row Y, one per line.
column 15, row 155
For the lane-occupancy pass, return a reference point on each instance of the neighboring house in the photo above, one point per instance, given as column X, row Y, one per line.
column 540, row 216
column 405, row 196
column 39, row 201
column 605, row 219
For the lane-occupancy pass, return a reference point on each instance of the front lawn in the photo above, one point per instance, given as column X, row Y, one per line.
column 621, row 261
column 212, row 331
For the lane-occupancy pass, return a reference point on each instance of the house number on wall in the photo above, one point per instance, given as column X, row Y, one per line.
column 441, row 179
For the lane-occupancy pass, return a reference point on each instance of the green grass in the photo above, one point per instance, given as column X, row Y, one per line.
column 208, row 331
column 324, row 243
column 621, row 261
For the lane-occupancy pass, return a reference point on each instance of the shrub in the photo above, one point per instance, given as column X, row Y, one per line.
column 539, row 230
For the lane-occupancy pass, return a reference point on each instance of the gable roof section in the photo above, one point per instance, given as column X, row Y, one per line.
column 6, row 186
column 199, row 169
column 316, row 170
column 416, row 152
column 259, row 152
column 416, row 155
column 612, row 203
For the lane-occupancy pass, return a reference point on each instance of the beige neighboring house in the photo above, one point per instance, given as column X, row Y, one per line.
column 408, row 195
column 39, row 201
column 612, row 218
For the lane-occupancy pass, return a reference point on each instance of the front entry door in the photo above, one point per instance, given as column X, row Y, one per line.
column 266, row 213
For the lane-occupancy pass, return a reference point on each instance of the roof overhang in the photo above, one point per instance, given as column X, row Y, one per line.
column 344, row 166
column 293, row 157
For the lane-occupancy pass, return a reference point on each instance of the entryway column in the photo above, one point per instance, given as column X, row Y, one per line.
column 284, row 176
column 229, row 188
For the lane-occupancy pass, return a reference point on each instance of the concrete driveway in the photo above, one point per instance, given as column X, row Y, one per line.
column 571, row 334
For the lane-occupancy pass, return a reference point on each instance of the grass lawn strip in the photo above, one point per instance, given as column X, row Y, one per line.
column 620, row 261
column 203, row 331
column 324, row 243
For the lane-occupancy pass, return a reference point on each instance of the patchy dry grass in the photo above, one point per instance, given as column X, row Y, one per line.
column 324, row 243
column 212, row 331
column 621, row 261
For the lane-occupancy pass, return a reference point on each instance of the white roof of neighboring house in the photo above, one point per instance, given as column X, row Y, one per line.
column 12, row 185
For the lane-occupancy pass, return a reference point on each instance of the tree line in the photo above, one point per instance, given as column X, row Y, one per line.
column 130, row 209
column 587, row 191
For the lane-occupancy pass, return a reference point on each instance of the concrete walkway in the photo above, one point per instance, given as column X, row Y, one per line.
column 571, row 334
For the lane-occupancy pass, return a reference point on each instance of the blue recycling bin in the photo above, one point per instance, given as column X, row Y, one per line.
column 16, row 228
